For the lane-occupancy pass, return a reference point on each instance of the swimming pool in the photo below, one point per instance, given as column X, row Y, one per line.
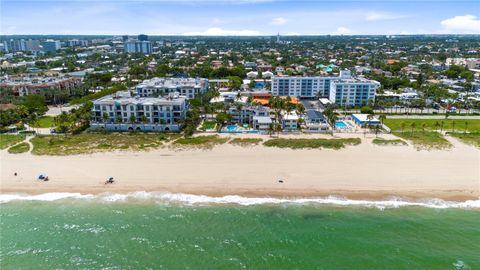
column 232, row 128
column 341, row 124
column 237, row 129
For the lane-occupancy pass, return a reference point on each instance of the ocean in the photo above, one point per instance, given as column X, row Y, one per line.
column 179, row 231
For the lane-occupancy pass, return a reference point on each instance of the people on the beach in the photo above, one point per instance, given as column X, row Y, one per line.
column 109, row 181
column 43, row 177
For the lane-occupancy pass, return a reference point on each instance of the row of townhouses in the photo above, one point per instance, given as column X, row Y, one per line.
column 123, row 112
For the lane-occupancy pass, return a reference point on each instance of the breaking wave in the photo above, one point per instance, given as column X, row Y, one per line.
column 191, row 199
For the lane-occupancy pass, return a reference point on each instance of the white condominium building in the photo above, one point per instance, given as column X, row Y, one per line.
column 188, row 87
column 353, row 92
column 122, row 112
column 342, row 90
column 305, row 87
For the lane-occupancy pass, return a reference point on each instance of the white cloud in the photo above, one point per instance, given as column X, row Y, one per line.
column 342, row 30
column 381, row 16
column 466, row 24
column 278, row 21
column 292, row 34
column 216, row 31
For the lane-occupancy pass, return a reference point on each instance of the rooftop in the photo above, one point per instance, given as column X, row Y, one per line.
column 363, row 118
column 313, row 115
column 174, row 82
column 262, row 119
column 124, row 98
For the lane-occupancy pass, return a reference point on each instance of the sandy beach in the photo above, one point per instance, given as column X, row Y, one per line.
column 366, row 171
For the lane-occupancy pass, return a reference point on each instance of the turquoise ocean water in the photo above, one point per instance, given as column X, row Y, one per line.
column 129, row 233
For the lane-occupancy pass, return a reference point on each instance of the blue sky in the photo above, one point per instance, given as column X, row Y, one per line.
column 238, row 17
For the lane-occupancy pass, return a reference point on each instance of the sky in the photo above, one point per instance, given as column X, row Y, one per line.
column 239, row 17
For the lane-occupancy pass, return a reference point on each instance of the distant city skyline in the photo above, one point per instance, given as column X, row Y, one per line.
column 238, row 18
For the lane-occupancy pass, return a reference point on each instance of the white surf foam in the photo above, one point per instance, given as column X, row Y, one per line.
column 4, row 198
column 191, row 199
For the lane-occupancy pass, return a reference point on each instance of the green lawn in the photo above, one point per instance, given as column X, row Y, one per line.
column 7, row 140
column 245, row 141
column 312, row 143
column 381, row 141
column 473, row 125
column 208, row 125
column 201, row 141
column 19, row 148
column 44, row 122
column 468, row 138
column 425, row 140
column 86, row 143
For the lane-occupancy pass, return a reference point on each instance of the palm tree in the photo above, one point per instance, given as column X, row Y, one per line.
column 377, row 129
column 382, row 118
column 238, row 106
column 441, row 126
column 132, row 120
column 271, row 129
column 453, row 126
column 369, row 118
column 22, row 110
column 144, row 121
column 278, row 128
column 119, row 120
column 466, row 127
column 413, row 125
column 437, row 125
column 105, row 119
column 423, row 127
column 332, row 118
column 403, row 125
column 300, row 110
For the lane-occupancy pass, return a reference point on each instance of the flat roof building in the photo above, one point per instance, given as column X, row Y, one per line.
column 135, row 46
column 362, row 119
column 188, row 87
column 305, row 87
column 122, row 112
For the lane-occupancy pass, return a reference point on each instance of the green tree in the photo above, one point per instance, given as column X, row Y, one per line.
column 382, row 118
column 366, row 110
column 35, row 104
column 144, row 120
column 222, row 118
column 105, row 119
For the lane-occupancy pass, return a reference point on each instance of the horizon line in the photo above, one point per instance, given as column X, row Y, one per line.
column 266, row 35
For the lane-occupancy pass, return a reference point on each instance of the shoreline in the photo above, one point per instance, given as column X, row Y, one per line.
column 365, row 171
column 368, row 195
